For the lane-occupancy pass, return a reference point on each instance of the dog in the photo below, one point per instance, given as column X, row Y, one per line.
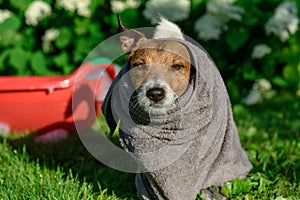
column 161, row 70
column 176, row 117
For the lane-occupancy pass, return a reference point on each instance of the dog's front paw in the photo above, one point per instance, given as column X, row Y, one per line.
column 212, row 193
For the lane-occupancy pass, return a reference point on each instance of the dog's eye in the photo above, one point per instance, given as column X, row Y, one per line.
column 141, row 66
column 137, row 64
column 177, row 66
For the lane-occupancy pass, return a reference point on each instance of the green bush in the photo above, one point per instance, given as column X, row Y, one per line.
column 248, row 40
column 55, row 44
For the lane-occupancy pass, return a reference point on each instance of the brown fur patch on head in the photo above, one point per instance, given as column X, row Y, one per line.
column 161, row 59
column 164, row 60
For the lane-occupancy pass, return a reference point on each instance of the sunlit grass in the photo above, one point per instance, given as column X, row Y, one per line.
column 269, row 133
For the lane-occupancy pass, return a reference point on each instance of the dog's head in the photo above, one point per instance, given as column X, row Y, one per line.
column 160, row 69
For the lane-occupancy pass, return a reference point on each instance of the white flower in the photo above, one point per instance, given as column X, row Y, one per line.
column 262, row 85
column 4, row 15
column 171, row 10
column 260, row 50
column 209, row 27
column 37, row 11
column 69, row 5
column 117, row 6
column 49, row 36
column 284, row 22
column 225, row 10
column 81, row 6
column 219, row 12
column 252, row 98
column 261, row 89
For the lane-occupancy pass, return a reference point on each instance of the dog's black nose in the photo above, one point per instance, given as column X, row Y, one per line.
column 156, row 94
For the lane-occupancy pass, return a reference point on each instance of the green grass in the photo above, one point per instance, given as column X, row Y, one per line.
column 269, row 132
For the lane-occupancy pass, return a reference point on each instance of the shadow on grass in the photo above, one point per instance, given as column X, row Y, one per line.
column 71, row 155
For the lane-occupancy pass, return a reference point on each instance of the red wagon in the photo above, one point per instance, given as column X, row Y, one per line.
column 49, row 103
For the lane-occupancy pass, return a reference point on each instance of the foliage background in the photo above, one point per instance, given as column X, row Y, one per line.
column 59, row 41
column 25, row 49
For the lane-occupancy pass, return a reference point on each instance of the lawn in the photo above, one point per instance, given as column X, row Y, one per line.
column 270, row 133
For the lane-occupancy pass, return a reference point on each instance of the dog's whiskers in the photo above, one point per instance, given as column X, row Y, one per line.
column 134, row 103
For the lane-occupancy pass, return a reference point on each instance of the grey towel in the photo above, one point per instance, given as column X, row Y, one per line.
column 196, row 145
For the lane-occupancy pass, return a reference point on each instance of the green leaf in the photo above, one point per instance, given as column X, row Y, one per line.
column 61, row 59
column 3, row 57
column 80, row 27
column 7, row 37
column 82, row 48
column 18, row 58
column 196, row 3
column 251, row 20
column 38, row 63
column 67, row 69
column 9, row 31
column 279, row 81
column 130, row 14
column 226, row 190
column 28, row 40
column 241, row 186
column 236, row 37
column 20, row 4
column 95, row 4
column 64, row 38
column 263, row 182
column 290, row 73
column 12, row 23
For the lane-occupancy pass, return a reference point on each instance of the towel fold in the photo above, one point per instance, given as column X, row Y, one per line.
column 194, row 146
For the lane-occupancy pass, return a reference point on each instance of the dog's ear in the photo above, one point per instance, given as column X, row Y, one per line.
column 129, row 37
